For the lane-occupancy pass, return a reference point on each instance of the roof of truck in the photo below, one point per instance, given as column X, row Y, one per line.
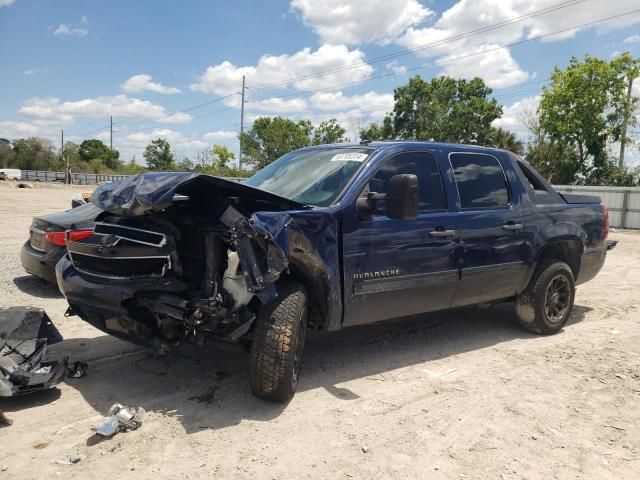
column 375, row 145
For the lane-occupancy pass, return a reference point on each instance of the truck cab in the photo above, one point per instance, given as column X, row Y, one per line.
column 329, row 237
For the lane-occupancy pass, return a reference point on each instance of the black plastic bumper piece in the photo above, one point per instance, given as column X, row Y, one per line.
column 100, row 303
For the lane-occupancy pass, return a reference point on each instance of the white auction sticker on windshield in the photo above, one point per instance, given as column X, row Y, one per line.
column 349, row 157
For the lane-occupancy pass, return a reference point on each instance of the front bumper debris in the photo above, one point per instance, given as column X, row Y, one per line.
column 25, row 334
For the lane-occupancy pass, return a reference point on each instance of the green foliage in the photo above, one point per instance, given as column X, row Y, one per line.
column 185, row 165
column 222, row 156
column 32, row 154
column 501, row 138
column 96, row 154
column 6, row 153
column 218, row 161
column 271, row 137
column 159, row 156
column 376, row 131
column 132, row 168
column 328, row 132
column 445, row 110
column 581, row 116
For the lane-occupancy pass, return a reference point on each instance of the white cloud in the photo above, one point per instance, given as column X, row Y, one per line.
column 219, row 135
column 134, row 143
column 512, row 115
column 226, row 78
column 84, row 20
column 30, row 71
column 354, row 22
column 13, row 130
column 279, row 105
column 498, row 68
column 6, row 3
column 378, row 104
column 141, row 82
column 395, row 67
column 632, row 39
column 120, row 106
column 64, row 29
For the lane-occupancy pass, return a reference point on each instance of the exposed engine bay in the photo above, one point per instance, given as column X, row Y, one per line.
column 192, row 265
column 202, row 275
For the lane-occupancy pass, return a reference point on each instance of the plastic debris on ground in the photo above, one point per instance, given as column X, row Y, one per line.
column 120, row 419
column 79, row 370
column 25, row 334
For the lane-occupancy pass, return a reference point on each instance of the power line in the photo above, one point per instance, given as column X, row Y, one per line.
column 445, row 41
column 454, row 59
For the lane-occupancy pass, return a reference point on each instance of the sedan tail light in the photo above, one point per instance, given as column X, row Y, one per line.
column 59, row 238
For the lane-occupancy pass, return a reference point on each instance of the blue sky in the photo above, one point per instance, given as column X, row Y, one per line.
column 69, row 64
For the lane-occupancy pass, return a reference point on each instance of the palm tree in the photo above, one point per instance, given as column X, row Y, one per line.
column 502, row 138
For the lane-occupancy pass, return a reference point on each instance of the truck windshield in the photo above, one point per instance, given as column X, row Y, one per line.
column 313, row 177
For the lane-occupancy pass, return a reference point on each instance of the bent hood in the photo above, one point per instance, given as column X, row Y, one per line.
column 153, row 192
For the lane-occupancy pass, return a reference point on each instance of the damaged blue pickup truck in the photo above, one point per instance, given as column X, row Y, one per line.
column 329, row 237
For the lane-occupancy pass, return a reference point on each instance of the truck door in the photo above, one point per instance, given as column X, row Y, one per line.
column 491, row 228
column 394, row 268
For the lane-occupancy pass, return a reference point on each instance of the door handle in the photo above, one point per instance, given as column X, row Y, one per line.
column 512, row 227
column 442, row 233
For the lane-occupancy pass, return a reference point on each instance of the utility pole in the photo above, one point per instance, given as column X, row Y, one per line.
column 241, row 124
column 111, row 132
column 625, row 121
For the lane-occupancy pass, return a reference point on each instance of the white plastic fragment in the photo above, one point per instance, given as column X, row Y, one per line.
column 108, row 427
column 121, row 418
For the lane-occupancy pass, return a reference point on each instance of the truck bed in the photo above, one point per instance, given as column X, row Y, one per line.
column 577, row 198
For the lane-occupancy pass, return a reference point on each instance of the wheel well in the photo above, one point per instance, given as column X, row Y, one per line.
column 568, row 251
column 316, row 314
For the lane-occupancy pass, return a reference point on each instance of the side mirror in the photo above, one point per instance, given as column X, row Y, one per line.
column 401, row 201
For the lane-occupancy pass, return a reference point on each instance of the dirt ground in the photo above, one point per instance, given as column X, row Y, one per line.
column 456, row 395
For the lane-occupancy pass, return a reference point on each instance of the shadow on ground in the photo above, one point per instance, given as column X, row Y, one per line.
column 208, row 389
column 36, row 287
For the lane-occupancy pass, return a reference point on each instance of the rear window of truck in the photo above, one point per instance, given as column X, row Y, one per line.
column 481, row 181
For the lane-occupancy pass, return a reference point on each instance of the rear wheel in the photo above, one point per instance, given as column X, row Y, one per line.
column 545, row 306
column 278, row 344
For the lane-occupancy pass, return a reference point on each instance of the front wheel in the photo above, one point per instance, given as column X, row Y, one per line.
column 278, row 343
column 545, row 306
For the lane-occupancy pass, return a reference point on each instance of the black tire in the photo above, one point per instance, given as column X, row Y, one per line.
column 277, row 345
column 545, row 306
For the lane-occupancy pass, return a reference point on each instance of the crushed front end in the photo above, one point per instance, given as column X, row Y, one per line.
column 174, row 258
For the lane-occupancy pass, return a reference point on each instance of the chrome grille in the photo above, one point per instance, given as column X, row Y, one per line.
column 120, row 267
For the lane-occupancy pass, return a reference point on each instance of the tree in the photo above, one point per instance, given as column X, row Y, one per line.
column 158, row 155
column 584, row 109
column 95, row 153
column 6, row 153
column 185, row 165
column 71, row 154
column 221, row 157
column 33, row 154
column 271, row 137
column 328, row 132
column 445, row 110
column 376, row 131
column 629, row 70
column 132, row 168
column 555, row 161
column 501, row 138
